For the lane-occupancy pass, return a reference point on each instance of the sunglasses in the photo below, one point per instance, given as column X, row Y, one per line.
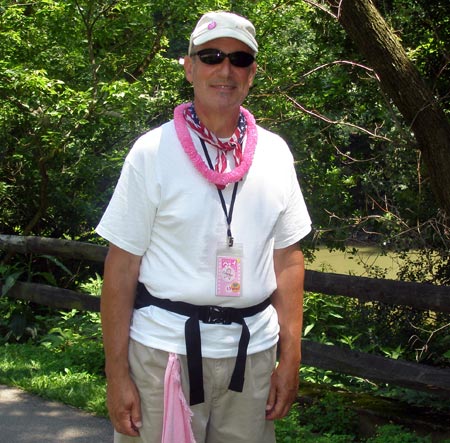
column 240, row 59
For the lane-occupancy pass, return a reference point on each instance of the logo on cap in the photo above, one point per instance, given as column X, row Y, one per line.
column 212, row 25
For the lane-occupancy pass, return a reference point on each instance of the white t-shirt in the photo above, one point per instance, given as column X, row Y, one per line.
column 164, row 210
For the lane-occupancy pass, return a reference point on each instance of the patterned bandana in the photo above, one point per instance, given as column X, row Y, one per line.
column 233, row 144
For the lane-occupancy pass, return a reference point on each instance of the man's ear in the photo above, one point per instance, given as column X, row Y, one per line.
column 188, row 67
column 252, row 74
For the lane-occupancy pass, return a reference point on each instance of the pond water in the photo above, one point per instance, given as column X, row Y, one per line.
column 367, row 257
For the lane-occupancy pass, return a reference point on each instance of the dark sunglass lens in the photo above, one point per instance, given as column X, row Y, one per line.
column 241, row 59
column 211, row 56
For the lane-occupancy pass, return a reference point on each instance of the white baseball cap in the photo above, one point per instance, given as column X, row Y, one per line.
column 220, row 24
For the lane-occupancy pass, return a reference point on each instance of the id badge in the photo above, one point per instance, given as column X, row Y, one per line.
column 229, row 270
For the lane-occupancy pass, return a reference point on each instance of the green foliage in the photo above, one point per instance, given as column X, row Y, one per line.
column 17, row 322
column 8, row 277
column 323, row 317
column 425, row 28
column 93, row 286
column 396, row 434
column 395, row 332
column 23, row 321
column 72, row 107
column 329, row 415
column 78, row 341
column 289, row 430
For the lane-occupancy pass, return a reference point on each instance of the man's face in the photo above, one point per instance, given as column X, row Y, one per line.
column 221, row 87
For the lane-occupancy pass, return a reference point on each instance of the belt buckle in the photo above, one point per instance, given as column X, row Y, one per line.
column 217, row 315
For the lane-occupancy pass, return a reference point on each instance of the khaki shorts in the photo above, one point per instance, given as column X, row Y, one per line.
column 224, row 417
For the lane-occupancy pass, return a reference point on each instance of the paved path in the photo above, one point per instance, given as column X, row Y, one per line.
column 25, row 418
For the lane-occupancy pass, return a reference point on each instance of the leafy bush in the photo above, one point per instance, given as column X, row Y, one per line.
column 329, row 414
column 77, row 340
column 290, row 430
column 18, row 322
column 74, row 335
column 375, row 327
column 396, row 434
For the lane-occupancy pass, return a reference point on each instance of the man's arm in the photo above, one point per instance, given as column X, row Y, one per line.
column 288, row 302
column 118, row 294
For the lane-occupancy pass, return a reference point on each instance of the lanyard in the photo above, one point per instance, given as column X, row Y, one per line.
column 228, row 214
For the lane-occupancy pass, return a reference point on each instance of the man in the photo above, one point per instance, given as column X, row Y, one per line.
column 204, row 222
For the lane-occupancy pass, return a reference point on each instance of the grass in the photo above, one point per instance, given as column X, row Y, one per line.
column 40, row 371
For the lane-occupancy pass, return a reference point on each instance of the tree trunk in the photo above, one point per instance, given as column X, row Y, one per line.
column 401, row 81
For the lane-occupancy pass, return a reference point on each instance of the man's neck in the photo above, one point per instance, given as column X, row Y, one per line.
column 222, row 125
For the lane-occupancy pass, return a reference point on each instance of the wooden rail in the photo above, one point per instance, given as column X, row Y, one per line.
column 420, row 296
column 339, row 359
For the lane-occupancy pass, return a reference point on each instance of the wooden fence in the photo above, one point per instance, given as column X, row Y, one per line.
column 372, row 367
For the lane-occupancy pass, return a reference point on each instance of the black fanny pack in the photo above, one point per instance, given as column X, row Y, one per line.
column 211, row 315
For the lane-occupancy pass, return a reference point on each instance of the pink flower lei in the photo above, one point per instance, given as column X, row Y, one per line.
column 217, row 178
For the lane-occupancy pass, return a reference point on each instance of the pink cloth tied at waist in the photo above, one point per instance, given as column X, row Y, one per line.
column 177, row 413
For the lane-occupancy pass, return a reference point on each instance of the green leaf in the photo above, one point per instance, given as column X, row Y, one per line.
column 10, row 281
column 308, row 329
column 57, row 263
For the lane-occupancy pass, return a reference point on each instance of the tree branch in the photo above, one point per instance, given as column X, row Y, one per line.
column 343, row 62
column 319, row 6
column 140, row 70
column 334, row 122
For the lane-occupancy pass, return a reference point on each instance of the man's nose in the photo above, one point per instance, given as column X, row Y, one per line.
column 226, row 66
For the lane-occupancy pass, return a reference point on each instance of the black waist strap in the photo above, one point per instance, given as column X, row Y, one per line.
column 206, row 314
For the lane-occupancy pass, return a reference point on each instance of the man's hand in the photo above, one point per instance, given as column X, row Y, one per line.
column 124, row 406
column 283, row 391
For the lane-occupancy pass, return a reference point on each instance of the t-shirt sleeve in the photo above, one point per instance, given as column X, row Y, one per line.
column 294, row 222
column 128, row 219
